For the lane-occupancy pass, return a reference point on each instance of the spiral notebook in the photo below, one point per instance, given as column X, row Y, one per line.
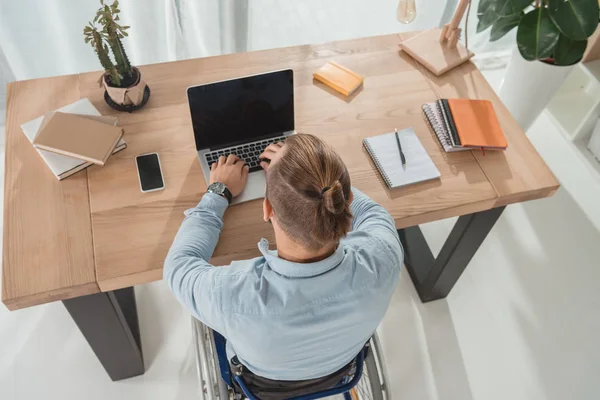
column 384, row 152
column 465, row 124
column 435, row 117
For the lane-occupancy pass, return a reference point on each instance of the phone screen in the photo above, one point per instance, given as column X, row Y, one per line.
column 149, row 172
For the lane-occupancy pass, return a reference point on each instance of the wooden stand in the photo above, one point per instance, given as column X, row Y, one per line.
column 438, row 49
column 592, row 52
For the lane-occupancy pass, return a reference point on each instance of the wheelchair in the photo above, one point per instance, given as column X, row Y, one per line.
column 367, row 380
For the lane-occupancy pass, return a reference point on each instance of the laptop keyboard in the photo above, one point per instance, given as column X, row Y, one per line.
column 247, row 152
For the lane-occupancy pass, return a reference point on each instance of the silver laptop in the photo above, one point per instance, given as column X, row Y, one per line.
column 242, row 116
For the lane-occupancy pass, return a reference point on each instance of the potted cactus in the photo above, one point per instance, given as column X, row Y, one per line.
column 551, row 38
column 125, row 90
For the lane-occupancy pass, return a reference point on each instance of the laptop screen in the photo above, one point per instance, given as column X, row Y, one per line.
column 242, row 110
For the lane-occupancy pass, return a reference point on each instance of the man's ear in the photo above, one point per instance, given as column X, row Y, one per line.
column 267, row 210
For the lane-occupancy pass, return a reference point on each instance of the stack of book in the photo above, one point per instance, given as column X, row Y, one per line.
column 462, row 124
column 74, row 137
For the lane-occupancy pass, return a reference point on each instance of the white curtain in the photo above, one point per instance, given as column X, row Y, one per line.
column 40, row 38
column 44, row 38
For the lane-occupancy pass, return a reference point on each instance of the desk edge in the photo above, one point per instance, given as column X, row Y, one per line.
column 36, row 299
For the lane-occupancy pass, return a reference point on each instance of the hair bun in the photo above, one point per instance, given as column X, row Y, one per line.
column 333, row 198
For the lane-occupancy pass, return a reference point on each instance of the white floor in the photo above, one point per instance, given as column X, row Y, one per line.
column 522, row 323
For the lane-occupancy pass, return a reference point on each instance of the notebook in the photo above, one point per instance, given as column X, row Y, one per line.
column 384, row 152
column 449, row 121
column 477, row 124
column 75, row 136
column 339, row 78
column 63, row 166
column 434, row 117
column 463, row 124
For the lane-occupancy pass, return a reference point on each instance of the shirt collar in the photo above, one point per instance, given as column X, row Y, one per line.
column 300, row 270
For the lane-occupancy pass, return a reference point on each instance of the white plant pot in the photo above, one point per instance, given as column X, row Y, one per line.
column 594, row 144
column 529, row 86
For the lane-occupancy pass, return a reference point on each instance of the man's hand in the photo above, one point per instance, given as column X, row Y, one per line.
column 230, row 171
column 271, row 154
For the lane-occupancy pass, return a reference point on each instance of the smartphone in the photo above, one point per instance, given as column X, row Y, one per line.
column 149, row 172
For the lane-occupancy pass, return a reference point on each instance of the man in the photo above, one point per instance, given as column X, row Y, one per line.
column 305, row 310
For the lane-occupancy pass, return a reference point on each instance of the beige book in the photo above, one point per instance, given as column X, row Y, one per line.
column 79, row 165
column 100, row 118
column 78, row 136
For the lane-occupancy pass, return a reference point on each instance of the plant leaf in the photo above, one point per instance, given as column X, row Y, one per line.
column 487, row 18
column 537, row 35
column 569, row 52
column 512, row 7
column 504, row 25
column 576, row 19
column 483, row 5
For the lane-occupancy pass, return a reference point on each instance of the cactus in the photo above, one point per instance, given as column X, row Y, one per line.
column 120, row 56
column 111, row 32
column 95, row 38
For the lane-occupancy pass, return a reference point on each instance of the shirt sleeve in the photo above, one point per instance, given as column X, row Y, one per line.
column 192, row 279
column 372, row 219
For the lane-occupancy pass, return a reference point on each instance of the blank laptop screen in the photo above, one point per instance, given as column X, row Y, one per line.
column 242, row 110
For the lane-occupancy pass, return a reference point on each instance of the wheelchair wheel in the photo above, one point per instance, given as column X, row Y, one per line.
column 374, row 384
column 211, row 386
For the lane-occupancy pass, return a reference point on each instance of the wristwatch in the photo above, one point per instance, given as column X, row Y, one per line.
column 220, row 189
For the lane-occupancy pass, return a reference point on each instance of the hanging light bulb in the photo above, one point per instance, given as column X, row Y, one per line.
column 407, row 11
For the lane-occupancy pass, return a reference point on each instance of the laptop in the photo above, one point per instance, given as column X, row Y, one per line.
column 242, row 116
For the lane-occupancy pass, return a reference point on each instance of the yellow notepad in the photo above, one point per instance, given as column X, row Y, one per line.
column 339, row 78
column 77, row 136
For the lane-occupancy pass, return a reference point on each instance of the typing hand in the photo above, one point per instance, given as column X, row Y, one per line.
column 230, row 171
column 271, row 154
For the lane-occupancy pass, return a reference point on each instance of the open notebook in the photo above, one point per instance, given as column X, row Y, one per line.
column 384, row 152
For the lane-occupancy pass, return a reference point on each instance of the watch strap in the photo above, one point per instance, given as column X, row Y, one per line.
column 227, row 194
column 215, row 188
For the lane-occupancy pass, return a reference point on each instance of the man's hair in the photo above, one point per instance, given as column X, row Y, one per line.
column 309, row 190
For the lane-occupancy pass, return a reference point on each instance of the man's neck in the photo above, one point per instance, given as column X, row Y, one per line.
column 292, row 251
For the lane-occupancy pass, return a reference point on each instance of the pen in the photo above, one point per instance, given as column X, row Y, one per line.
column 400, row 148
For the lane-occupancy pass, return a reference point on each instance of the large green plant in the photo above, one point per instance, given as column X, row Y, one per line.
column 104, row 32
column 555, row 31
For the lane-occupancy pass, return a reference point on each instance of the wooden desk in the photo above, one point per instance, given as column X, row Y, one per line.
column 95, row 232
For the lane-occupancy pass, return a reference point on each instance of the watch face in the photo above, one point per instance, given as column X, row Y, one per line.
column 217, row 188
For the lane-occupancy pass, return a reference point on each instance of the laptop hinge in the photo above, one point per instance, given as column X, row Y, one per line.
column 240, row 142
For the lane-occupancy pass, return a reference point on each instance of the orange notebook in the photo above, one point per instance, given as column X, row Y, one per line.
column 477, row 124
column 339, row 78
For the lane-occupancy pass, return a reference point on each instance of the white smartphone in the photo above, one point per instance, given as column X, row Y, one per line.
column 149, row 172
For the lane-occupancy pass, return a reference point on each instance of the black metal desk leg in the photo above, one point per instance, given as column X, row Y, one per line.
column 109, row 323
column 434, row 278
